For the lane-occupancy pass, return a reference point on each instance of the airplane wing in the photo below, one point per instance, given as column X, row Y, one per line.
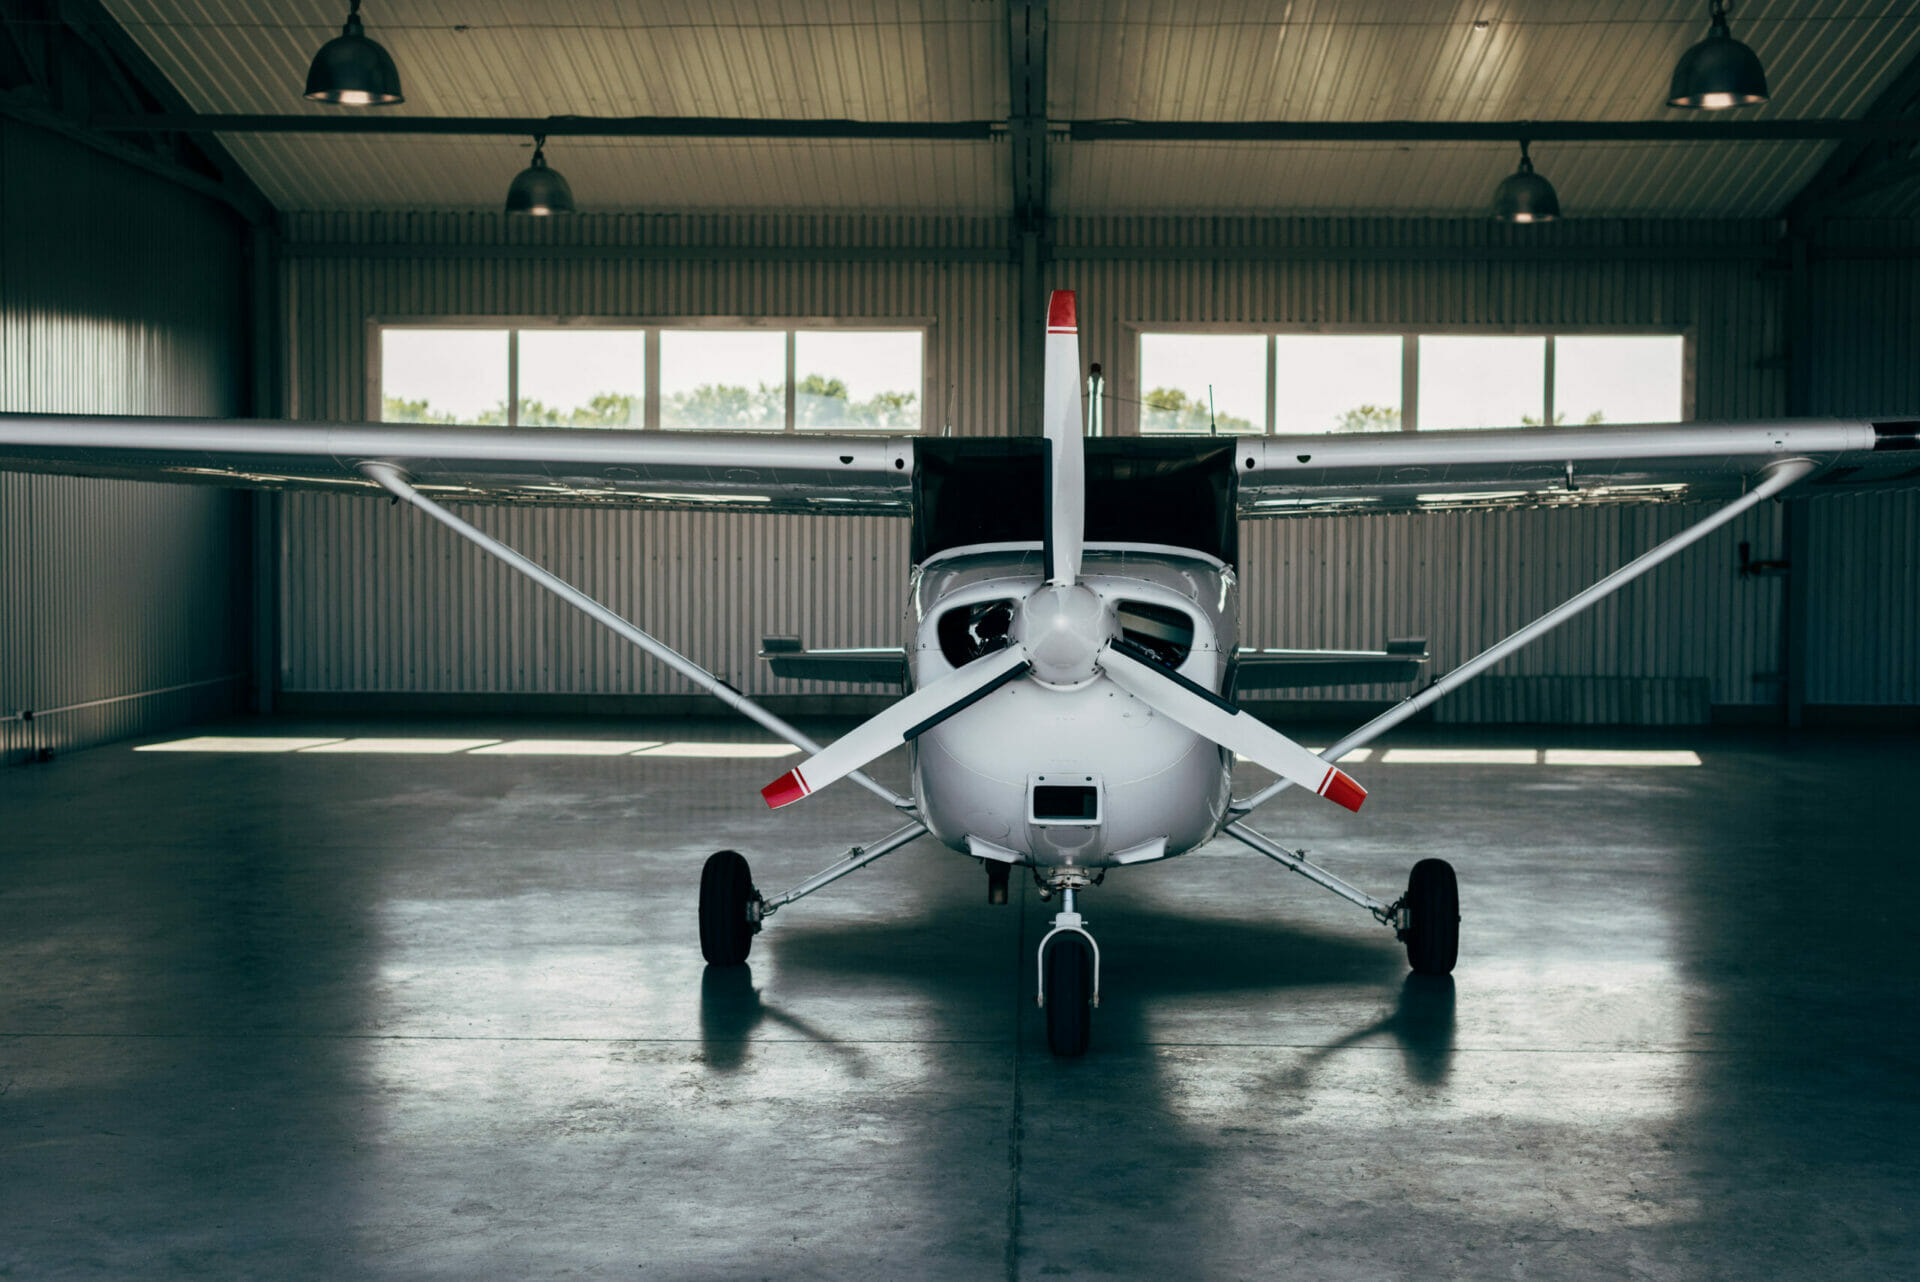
column 744, row 471
column 875, row 475
column 1559, row 466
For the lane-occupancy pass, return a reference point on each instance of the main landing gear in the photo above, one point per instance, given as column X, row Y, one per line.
column 1426, row 919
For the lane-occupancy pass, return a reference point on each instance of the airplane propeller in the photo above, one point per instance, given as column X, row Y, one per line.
column 1065, row 633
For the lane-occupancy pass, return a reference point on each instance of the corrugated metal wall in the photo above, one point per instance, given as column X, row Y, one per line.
column 126, row 296
column 377, row 603
column 1864, row 634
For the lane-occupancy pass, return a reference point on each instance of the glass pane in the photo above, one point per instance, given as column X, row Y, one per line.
column 1619, row 378
column 723, row 378
column 857, row 378
column 1468, row 381
column 443, row 376
column 1180, row 372
column 1337, row 382
column 583, row 377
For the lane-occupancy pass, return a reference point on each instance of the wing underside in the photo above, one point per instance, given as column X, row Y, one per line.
column 875, row 475
column 748, row 471
column 1562, row 467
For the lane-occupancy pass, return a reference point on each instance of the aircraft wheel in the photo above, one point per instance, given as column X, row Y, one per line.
column 1432, row 935
column 1069, row 995
column 726, row 887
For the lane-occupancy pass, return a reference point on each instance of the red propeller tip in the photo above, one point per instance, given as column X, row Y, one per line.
column 1339, row 788
column 1060, row 314
column 785, row 790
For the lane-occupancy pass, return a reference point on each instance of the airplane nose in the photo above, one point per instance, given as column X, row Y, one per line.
column 1062, row 630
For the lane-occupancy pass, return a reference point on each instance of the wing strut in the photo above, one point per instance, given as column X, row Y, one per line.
column 1778, row 476
column 396, row 483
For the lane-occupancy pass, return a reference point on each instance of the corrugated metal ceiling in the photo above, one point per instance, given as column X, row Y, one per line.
column 946, row 60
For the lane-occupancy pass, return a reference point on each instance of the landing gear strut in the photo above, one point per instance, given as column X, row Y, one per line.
column 1069, row 979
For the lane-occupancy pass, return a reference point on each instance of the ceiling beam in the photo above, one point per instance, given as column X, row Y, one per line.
column 1486, row 131
column 1029, row 130
column 557, row 126
column 1857, row 161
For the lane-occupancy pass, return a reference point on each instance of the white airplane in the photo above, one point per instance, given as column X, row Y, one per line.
column 1074, row 657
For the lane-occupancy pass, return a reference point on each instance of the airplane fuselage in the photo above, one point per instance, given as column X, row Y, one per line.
column 1067, row 770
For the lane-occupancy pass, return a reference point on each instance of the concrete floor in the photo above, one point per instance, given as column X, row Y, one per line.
column 351, row 1016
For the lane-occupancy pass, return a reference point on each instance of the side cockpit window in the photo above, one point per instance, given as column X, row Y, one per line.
column 969, row 631
column 1160, row 628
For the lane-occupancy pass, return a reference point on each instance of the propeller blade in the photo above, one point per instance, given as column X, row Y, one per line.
column 1061, row 414
column 919, row 712
column 1200, row 710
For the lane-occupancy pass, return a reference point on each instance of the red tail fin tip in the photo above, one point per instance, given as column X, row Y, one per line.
column 1060, row 313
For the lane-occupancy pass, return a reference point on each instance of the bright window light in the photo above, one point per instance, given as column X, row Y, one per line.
column 1619, row 757
column 723, row 378
column 720, row 750
column 848, row 378
column 443, row 376
column 566, row 747
column 1618, row 378
column 1337, row 382
column 583, row 377
column 1358, row 754
column 1193, row 383
column 1472, row 380
column 401, row 747
column 235, row 743
column 1460, row 757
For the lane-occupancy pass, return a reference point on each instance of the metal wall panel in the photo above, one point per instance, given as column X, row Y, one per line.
column 376, row 603
column 124, row 297
column 1864, row 617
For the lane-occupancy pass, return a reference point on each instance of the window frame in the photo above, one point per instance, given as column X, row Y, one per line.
column 652, row 325
column 1127, row 420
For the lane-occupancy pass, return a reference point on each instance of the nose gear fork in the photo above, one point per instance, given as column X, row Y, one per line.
column 1068, row 922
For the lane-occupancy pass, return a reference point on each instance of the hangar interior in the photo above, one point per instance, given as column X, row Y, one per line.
column 312, row 1013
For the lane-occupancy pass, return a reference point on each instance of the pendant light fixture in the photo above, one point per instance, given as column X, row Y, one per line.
column 352, row 70
column 1719, row 72
column 1524, row 196
column 538, row 189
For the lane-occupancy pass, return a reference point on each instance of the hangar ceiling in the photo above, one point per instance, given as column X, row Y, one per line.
column 948, row 60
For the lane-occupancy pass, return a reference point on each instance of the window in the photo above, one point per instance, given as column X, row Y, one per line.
column 674, row 375
column 1382, row 382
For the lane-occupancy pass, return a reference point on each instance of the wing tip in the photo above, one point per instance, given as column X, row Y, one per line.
column 785, row 790
column 1340, row 789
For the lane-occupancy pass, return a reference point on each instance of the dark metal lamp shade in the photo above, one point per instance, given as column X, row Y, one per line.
column 1524, row 196
column 353, row 70
column 539, row 190
column 1718, row 73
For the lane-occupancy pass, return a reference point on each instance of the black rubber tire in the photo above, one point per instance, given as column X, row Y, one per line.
column 726, row 887
column 1433, row 918
column 1069, row 995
